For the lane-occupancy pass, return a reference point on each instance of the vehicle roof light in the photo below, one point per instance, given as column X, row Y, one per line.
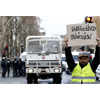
column 48, row 37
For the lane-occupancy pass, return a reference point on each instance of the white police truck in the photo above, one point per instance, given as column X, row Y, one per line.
column 43, row 58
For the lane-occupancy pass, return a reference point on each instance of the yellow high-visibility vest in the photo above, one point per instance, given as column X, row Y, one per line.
column 84, row 75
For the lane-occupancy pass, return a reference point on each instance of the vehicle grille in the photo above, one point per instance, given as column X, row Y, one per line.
column 41, row 64
column 32, row 63
column 55, row 63
column 44, row 63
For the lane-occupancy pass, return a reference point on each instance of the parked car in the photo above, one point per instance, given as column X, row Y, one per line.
column 64, row 63
column 75, row 56
column 97, row 74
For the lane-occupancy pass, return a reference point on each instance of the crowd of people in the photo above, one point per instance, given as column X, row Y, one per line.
column 18, row 67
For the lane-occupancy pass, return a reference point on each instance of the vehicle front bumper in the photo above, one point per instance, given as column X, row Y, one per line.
column 43, row 70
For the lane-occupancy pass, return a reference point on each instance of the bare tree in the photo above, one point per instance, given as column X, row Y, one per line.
column 5, row 23
column 14, row 31
column 96, row 19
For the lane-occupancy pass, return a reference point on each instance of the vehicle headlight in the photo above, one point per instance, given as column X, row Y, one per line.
column 30, row 70
column 56, row 70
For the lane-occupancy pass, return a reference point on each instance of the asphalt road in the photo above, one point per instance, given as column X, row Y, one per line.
column 22, row 80
column 66, row 79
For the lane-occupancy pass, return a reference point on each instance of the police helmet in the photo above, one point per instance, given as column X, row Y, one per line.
column 14, row 57
column 7, row 58
column 3, row 58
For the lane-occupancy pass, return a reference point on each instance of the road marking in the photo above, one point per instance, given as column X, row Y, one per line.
column 16, row 83
column 2, row 82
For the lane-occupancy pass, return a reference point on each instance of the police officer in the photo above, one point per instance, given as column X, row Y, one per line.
column 24, row 68
column 15, row 67
column 20, row 67
column 3, row 65
column 8, row 64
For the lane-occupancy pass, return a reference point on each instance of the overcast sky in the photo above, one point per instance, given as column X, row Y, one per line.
column 57, row 24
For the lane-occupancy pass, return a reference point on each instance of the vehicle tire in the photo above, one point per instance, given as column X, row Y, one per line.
column 63, row 68
column 97, row 78
column 69, row 73
column 54, row 80
column 66, row 72
column 29, row 80
column 57, row 79
column 35, row 79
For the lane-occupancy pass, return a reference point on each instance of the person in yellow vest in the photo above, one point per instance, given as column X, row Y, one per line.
column 83, row 72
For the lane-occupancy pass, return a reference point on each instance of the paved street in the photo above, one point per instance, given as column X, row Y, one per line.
column 11, row 80
column 40, row 46
column 22, row 80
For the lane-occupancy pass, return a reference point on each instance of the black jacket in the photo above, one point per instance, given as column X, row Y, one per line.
column 71, row 63
column 15, row 63
column 20, row 63
column 8, row 63
column 3, row 63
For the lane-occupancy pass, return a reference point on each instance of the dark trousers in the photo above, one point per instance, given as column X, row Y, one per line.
column 15, row 73
column 3, row 71
column 8, row 70
column 20, row 71
column 24, row 70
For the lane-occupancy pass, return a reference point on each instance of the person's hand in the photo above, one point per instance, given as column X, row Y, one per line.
column 66, row 41
column 98, row 41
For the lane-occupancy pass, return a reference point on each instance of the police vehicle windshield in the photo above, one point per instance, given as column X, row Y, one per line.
column 44, row 45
